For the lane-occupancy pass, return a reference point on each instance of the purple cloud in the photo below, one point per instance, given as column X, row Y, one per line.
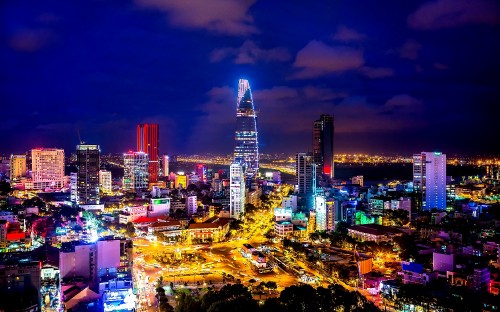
column 346, row 34
column 440, row 66
column 452, row 13
column 356, row 115
column 30, row 40
column 376, row 72
column 318, row 59
column 410, row 49
column 250, row 53
column 229, row 17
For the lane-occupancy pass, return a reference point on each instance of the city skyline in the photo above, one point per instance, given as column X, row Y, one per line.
column 422, row 78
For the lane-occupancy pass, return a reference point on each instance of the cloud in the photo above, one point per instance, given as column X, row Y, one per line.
column 376, row 72
column 440, row 66
column 283, row 113
column 453, row 13
column 229, row 17
column 250, row 53
column 357, row 115
column 30, row 40
column 403, row 103
column 410, row 49
column 215, row 128
column 318, row 59
column 346, row 34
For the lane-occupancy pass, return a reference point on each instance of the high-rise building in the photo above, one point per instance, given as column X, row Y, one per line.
column 323, row 130
column 429, row 177
column 136, row 171
column 73, row 187
column 21, row 281
column 166, row 163
column 88, row 162
column 201, row 172
column 17, row 167
column 191, row 205
column 105, row 181
column 246, row 150
column 305, row 171
column 320, row 209
column 236, row 190
column 148, row 137
column 47, row 166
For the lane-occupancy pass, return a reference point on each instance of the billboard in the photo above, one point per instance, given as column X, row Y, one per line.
column 412, row 267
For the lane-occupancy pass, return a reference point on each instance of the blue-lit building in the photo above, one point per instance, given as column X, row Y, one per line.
column 429, row 177
column 246, row 150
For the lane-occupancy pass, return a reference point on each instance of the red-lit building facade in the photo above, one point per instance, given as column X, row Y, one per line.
column 148, row 139
column 323, row 130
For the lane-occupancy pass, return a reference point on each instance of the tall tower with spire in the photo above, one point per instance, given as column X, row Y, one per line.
column 246, row 150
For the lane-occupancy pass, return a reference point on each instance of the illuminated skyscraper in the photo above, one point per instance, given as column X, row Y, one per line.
column 87, row 158
column 429, row 177
column 47, row 166
column 323, row 130
column 246, row 150
column 135, row 174
column 105, row 181
column 236, row 190
column 17, row 167
column 165, row 162
column 148, row 142
column 305, row 172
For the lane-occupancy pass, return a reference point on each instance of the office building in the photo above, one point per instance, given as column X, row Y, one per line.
column 246, row 150
column 165, row 164
column 136, row 171
column 73, row 187
column 191, row 205
column 323, row 130
column 47, row 166
column 429, row 177
column 148, row 138
column 20, row 284
column 236, row 190
column 88, row 162
column 357, row 180
column 305, row 171
column 17, row 167
column 105, row 181
column 201, row 172
column 181, row 181
column 159, row 207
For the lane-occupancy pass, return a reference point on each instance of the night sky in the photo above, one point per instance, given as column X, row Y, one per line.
column 399, row 76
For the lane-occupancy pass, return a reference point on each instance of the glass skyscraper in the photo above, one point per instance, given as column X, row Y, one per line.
column 136, row 173
column 246, row 150
column 87, row 156
column 323, row 130
column 148, row 136
column 429, row 177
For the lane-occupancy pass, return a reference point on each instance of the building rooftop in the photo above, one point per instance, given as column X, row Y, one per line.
column 375, row 229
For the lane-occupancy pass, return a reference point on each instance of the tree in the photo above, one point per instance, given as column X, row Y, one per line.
column 252, row 281
column 342, row 227
column 314, row 236
column 250, row 208
column 299, row 298
column 187, row 303
column 407, row 247
column 273, row 305
column 159, row 282
column 271, row 285
column 5, row 188
column 130, row 229
column 229, row 298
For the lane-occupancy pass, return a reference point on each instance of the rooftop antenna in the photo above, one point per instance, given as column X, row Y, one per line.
column 79, row 138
